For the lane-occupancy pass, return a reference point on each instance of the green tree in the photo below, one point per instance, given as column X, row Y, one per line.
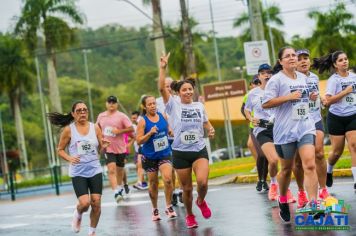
column 333, row 31
column 16, row 79
column 271, row 19
column 41, row 16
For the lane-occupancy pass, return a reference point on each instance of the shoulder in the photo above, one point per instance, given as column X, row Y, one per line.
column 352, row 75
column 301, row 75
column 66, row 130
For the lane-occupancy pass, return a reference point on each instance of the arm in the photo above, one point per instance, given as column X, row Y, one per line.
column 209, row 128
column 141, row 137
column 103, row 143
column 275, row 102
column 170, row 131
column 162, row 77
column 63, row 143
column 255, row 121
column 331, row 99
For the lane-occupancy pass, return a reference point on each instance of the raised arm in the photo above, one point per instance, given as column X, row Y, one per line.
column 162, row 77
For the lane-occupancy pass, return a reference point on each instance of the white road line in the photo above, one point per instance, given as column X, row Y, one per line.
column 10, row 226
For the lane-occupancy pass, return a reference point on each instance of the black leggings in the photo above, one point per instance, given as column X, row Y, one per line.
column 261, row 162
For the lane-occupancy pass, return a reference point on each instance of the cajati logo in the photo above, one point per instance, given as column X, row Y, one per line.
column 328, row 214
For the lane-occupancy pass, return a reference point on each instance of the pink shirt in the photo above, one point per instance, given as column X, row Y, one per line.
column 116, row 120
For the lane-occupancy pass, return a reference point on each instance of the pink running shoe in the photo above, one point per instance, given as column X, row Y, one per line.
column 273, row 192
column 302, row 199
column 205, row 210
column 291, row 198
column 323, row 193
column 155, row 215
column 170, row 212
column 76, row 222
column 191, row 222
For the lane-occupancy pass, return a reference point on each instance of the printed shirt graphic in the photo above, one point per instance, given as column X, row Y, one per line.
column 314, row 106
column 107, row 123
column 84, row 146
column 346, row 106
column 161, row 107
column 254, row 104
column 292, row 119
column 188, row 125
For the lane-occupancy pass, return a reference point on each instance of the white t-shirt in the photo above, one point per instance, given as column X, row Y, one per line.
column 346, row 106
column 314, row 106
column 292, row 119
column 188, row 121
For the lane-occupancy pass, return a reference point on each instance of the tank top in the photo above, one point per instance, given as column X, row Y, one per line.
column 84, row 146
column 157, row 145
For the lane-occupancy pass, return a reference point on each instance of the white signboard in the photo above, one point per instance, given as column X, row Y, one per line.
column 256, row 53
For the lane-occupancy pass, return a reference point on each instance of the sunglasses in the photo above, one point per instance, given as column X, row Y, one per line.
column 81, row 110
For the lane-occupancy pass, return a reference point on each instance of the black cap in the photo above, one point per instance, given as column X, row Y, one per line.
column 303, row 52
column 264, row 67
column 111, row 99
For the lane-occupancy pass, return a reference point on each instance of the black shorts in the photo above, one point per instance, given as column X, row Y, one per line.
column 119, row 159
column 265, row 136
column 183, row 160
column 152, row 165
column 339, row 125
column 319, row 126
column 83, row 186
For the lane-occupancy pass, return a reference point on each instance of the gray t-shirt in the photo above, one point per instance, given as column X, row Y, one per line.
column 254, row 104
column 314, row 106
column 346, row 106
column 292, row 118
column 187, row 125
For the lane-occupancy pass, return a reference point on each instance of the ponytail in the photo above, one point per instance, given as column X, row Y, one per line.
column 62, row 120
column 326, row 63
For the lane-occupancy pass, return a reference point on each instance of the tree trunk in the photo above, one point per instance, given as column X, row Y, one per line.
column 255, row 16
column 53, row 83
column 19, row 129
column 190, row 64
column 158, row 32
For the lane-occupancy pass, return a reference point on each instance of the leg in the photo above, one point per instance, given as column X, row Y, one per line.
column 272, row 158
column 166, row 173
column 95, row 203
column 140, row 171
column 351, row 140
column 201, row 171
column 320, row 159
column 120, row 175
column 124, row 178
column 298, row 172
column 112, row 175
column 284, row 176
column 337, row 148
column 185, row 178
column 307, row 155
column 251, row 148
column 153, row 187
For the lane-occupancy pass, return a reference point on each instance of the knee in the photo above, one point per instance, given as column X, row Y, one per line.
column 187, row 188
column 111, row 171
column 84, row 205
column 319, row 154
column 203, row 185
column 286, row 171
column 309, row 166
column 352, row 146
column 336, row 153
column 153, row 184
column 95, row 205
column 167, row 181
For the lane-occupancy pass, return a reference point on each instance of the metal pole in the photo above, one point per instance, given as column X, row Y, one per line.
column 270, row 35
column 53, row 157
column 39, row 85
column 227, row 121
column 3, row 146
column 88, row 84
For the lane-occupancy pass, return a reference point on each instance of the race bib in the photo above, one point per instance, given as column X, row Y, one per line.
column 108, row 132
column 160, row 144
column 350, row 99
column 85, row 148
column 300, row 111
column 189, row 137
column 314, row 106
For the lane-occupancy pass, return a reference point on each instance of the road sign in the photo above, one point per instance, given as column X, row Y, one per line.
column 225, row 89
column 256, row 53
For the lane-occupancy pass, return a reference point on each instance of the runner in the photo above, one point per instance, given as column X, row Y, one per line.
column 114, row 125
column 83, row 140
column 177, row 193
column 152, row 132
column 341, row 98
column 262, row 120
column 293, row 130
column 189, row 150
column 315, row 114
column 141, row 184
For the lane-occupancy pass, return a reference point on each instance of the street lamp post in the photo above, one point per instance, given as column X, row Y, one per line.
column 85, row 51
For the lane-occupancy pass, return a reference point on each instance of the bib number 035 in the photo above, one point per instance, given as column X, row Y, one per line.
column 189, row 137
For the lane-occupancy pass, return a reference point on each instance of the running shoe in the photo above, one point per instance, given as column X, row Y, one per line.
column 204, row 208
column 265, row 186
column 92, row 234
column 284, row 212
column 254, row 170
column 155, row 215
column 180, row 197
column 119, row 196
column 191, row 222
column 259, row 186
column 170, row 212
column 144, row 185
column 76, row 222
column 291, row 198
column 174, row 199
column 127, row 189
column 139, row 186
column 302, row 199
column 329, row 179
column 273, row 192
column 323, row 193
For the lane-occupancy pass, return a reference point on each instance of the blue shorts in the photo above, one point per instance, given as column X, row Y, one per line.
column 287, row 151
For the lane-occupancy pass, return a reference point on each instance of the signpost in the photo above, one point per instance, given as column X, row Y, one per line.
column 256, row 53
column 226, row 89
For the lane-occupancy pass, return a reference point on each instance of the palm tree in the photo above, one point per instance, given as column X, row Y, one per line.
column 16, row 78
column 333, row 31
column 41, row 16
column 270, row 16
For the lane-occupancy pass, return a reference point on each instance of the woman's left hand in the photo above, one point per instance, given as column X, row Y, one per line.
column 211, row 132
column 105, row 142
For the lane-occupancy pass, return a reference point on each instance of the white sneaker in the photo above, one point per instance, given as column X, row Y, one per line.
column 254, row 170
column 76, row 222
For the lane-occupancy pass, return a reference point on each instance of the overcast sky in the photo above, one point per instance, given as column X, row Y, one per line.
column 101, row 12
